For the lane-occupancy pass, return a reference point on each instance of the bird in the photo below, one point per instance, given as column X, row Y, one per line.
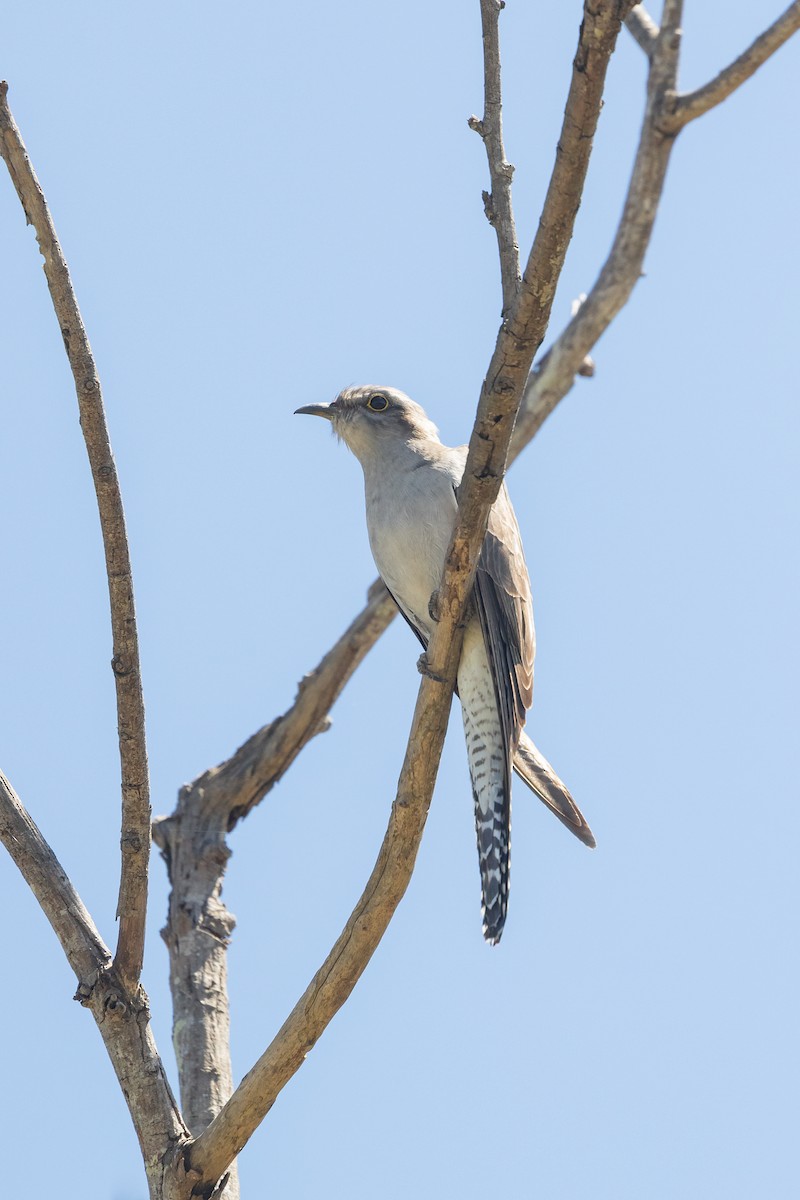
column 411, row 483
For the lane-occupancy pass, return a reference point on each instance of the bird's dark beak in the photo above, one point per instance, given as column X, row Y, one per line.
column 317, row 410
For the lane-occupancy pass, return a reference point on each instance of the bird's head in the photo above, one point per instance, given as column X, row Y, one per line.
column 371, row 421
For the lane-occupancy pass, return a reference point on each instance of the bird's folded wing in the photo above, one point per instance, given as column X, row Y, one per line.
column 503, row 603
column 534, row 769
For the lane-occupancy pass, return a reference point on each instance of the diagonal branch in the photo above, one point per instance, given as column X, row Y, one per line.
column 237, row 785
column 76, row 931
column 135, row 837
column 693, row 104
column 575, row 143
column 497, row 202
column 554, row 378
column 517, row 341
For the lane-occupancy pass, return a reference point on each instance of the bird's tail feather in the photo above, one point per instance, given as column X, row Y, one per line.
column 534, row 769
column 492, row 828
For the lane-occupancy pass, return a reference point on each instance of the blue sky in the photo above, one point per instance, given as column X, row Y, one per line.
column 261, row 204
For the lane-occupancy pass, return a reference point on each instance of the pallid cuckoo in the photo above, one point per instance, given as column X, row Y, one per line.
column 410, row 481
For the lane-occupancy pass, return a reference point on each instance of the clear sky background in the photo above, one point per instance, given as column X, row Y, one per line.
column 262, row 203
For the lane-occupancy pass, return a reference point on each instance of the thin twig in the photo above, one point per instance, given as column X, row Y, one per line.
column 693, row 104
column 135, row 837
column 517, row 341
column 497, row 202
column 643, row 28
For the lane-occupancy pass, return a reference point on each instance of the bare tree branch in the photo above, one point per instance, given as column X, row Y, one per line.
column 643, row 28
column 497, row 202
column 135, row 837
column 60, row 903
column 194, row 837
column 553, row 378
column 517, row 341
column 693, row 104
column 616, row 281
column 305, row 1024
column 193, row 840
column 111, row 990
column 196, row 935
column 554, row 375
column 338, row 975
column 237, row 785
column 572, row 158
column 122, row 1017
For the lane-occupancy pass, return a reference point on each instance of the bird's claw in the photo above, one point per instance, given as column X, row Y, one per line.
column 424, row 669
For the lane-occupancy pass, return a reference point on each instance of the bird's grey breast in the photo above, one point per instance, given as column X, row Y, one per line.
column 411, row 511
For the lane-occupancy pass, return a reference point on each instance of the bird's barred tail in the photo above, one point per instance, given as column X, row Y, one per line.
column 491, row 827
column 490, row 788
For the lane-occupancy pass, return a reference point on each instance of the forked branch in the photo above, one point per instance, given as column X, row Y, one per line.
column 555, row 375
column 333, row 983
column 553, row 378
column 693, row 104
column 517, row 342
column 122, row 1016
column 194, row 842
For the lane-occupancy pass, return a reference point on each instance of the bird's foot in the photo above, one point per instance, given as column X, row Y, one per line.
column 424, row 669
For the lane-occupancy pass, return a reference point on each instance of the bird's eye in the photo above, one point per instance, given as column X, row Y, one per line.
column 377, row 403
